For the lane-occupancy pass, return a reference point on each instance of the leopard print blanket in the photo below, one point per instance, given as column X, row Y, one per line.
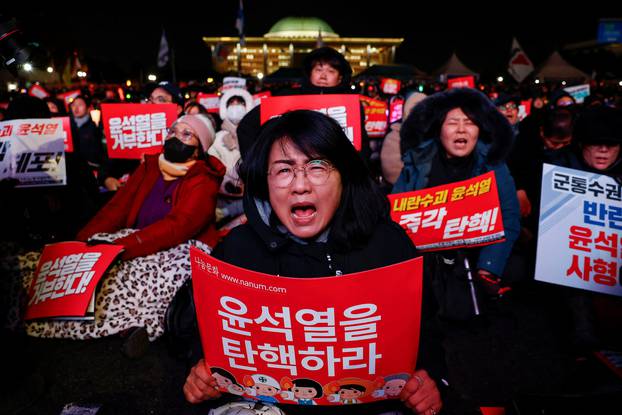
column 134, row 293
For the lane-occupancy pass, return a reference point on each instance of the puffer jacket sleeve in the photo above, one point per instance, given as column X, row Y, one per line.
column 493, row 258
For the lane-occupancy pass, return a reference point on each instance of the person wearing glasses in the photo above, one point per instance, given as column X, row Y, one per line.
column 508, row 106
column 167, row 93
column 167, row 204
column 313, row 211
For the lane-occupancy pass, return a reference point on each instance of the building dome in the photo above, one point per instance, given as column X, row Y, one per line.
column 300, row 27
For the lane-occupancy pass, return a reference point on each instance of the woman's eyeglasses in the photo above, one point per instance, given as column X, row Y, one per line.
column 316, row 171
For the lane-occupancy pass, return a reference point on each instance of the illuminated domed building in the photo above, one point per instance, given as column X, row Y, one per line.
column 289, row 40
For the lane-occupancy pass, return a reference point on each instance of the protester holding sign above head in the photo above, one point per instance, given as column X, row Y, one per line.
column 326, row 72
column 452, row 136
column 314, row 211
column 167, row 203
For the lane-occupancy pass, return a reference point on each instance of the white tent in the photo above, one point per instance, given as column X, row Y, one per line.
column 557, row 68
column 454, row 67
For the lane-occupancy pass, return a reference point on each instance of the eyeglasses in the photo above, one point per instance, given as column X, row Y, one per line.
column 316, row 171
column 507, row 107
column 184, row 136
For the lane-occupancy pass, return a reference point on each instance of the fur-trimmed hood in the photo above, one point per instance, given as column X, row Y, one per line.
column 425, row 120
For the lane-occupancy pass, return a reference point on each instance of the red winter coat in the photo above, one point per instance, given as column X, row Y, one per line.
column 191, row 216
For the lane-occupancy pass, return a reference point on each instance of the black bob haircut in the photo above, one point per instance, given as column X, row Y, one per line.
column 318, row 136
column 329, row 56
column 309, row 383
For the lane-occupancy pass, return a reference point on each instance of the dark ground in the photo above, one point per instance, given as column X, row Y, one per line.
column 517, row 357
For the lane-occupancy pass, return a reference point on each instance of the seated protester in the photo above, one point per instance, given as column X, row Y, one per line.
column 391, row 153
column 317, row 212
column 598, row 135
column 453, row 136
column 234, row 104
column 167, row 205
column 115, row 172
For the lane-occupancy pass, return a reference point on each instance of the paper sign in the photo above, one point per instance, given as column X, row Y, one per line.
column 264, row 335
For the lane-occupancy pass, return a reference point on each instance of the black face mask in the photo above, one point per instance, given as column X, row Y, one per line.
column 177, row 152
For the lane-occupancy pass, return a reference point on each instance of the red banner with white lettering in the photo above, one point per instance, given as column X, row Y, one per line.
column 455, row 215
column 264, row 335
column 375, row 116
column 133, row 130
column 65, row 279
column 345, row 109
column 461, row 82
column 260, row 96
column 211, row 102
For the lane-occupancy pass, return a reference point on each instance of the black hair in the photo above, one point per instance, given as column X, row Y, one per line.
column 224, row 373
column 354, row 386
column 309, row 383
column 362, row 204
column 236, row 97
column 426, row 119
column 329, row 56
column 194, row 104
column 558, row 122
column 86, row 100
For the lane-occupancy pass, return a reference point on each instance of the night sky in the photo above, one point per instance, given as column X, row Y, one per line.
column 119, row 46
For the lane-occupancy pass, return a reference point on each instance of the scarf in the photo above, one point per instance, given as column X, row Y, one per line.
column 172, row 171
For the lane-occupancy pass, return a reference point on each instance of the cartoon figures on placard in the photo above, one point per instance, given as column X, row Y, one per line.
column 303, row 391
column 226, row 381
column 262, row 387
column 391, row 386
column 349, row 390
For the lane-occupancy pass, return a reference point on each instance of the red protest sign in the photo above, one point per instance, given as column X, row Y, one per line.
column 133, row 130
column 375, row 116
column 455, row 215
column 461, row 82
column 211, row 102
column 38, row 91
column 345, row 109
column 395, row 109
column 66, row 277
column 268, row 331
column 259, row 97
column 390, row 86
column 68, row 136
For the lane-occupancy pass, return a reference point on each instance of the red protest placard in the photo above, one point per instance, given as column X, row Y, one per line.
column 66, row 277
column 259, row 97
column 267, row 332
column 461, row 82
column 68, row 136
column 455, row 215
column 375, row 116
column 133, row 130
column 211, row 102
column 390, row 86
column 345, row 109
column 38, row 91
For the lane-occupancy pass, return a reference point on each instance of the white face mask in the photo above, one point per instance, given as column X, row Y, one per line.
column 235, row 113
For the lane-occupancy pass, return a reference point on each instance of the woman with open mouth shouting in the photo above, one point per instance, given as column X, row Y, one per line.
column 313, row 211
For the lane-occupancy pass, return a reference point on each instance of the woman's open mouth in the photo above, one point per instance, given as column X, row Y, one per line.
column 302, row 213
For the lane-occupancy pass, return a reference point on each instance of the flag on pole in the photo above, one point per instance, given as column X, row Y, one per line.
column 163, row 54
column 519, row 66
column 239, row 23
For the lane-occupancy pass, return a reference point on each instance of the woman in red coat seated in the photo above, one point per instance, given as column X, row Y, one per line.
column 167, row 205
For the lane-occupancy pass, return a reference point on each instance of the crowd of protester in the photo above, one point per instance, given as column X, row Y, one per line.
column 211, row 177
